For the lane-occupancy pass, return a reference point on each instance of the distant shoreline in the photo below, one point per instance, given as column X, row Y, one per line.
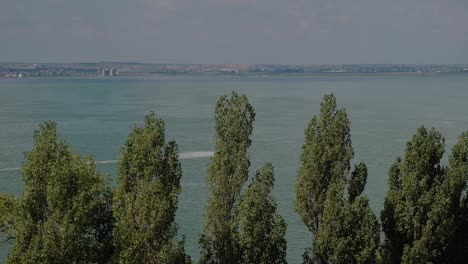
column 107, row 69
column 305, row 75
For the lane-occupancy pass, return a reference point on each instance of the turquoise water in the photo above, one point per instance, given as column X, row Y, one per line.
column 96, row 115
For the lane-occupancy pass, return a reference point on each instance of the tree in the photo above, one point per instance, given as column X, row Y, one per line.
column 345, row 231
column 227, row 173
column 326, row 157
column 64, row 214
column 146, row 197
column 418, row 219
column 349, row 231
column 262, row 229
column 458, row 177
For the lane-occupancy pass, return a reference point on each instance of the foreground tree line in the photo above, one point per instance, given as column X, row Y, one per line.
column 68, row 213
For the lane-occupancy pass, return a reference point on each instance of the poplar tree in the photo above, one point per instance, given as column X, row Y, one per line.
column 443, row 235
column 458, row 177
column 226, row 175
column 64, row 214
column 261, row 228
column 146, row 197
column 418, row 217
column 326, row 157
column 344, row 230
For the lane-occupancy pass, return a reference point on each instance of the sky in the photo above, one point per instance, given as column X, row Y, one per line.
column 235, row 31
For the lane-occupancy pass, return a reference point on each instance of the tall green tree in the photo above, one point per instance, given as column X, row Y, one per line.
column 443, row 236
column 326, row 157
column 419, row 214
column 344, row 230
column 261, row 228
column 146, row 198
column 227, row 173
column 64, row 214
column 458, row 177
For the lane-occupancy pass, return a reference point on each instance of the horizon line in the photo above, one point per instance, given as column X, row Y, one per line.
column 176, row 63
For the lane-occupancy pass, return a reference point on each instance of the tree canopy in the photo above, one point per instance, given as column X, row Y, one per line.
column 326, row 158
column 146, row 197
column 64, row 214
column 423, row 214
column 228, row 171
column 345, row 231
column 68, row 213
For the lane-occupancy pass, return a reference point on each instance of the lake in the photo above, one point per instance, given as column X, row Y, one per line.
column 95, row 115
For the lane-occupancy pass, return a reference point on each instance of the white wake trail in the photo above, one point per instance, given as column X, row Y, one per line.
column 196, row 154
column 9, row 169
column 105, row 161
column 182, row 156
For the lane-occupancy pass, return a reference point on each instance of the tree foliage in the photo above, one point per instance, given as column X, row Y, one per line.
column 358, row 181
column 326, row 157
column 227, row 173
column 349, row 230
column 458, row 193
column 345, row 231
column 64, row 214
column 423, row 213
column 69, row 214
column 262, row 229
column 146, row 198
column 8, row 206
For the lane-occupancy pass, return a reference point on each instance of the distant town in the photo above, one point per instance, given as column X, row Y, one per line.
column 112, row 69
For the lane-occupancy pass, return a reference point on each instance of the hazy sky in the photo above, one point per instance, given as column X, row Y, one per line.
column 235, row 31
